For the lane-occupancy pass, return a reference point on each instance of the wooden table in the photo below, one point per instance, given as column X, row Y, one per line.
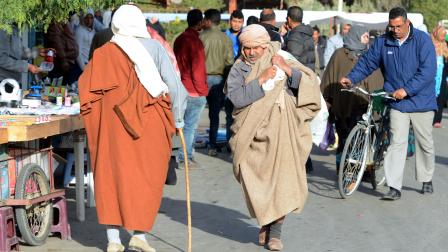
column 22, row 129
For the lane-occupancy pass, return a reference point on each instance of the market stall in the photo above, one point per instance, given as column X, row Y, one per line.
column 26, row 171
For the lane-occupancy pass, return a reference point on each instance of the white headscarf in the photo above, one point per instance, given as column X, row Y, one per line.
column 128, row 24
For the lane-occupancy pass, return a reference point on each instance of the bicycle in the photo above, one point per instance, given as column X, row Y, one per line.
column 365, row 146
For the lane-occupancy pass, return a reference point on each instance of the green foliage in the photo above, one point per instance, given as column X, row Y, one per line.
column 362, row 6
column 386, row 5
column 40, row 13
column 204, row 4
column 173, row 29
column 433, row 11
column 308, row 5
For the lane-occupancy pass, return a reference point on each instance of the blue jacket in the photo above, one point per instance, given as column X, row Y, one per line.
column 411, row 66
column 235, row 43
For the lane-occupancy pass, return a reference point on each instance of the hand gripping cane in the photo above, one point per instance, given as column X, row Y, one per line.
column 187, row 187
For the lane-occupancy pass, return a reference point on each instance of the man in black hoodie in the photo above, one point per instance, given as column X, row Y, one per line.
column 299, row 40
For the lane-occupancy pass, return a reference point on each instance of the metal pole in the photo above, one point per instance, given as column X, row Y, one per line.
column 78, row 141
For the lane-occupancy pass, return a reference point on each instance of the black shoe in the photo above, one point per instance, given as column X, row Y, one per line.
column 393, row 194
column 427, row 188
column 309, row 166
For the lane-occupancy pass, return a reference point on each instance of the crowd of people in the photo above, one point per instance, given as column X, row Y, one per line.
column 268, row 79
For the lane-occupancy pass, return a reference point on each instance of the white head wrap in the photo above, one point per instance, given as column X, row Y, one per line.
column 128, row 24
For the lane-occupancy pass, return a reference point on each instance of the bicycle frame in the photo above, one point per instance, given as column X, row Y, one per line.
column 368, row 154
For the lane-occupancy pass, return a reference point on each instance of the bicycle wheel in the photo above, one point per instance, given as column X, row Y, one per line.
column 34, row 221
column 378, row 157
column 353, row 161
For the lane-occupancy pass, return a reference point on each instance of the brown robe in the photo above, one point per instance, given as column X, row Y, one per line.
column 129, row 135
column 343, row 104
column 272, row 141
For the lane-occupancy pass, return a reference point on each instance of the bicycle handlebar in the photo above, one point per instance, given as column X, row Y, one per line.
column 381, row 94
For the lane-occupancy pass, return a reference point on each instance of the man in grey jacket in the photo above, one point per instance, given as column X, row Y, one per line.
column 13, row 60
column 299, row 40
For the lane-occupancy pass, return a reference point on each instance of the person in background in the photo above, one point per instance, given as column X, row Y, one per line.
column 98, row 16
column 60, row 37
column 156, row 25
column 107, row 18
column 156, row 36
column 407, row 59
column 190, row 56
column 130, row 91
column 335, row 42
column 218, row 59
column 100, row 38
column 84, row 35
column 236, row 24
column 267, row 20
column 346, row 108
column 13, row 60
column 74, row 21
column 272, row 138
column 299, row 42
column 252, row 20
column 319, row 48
column 299, row 38
column 438, row 39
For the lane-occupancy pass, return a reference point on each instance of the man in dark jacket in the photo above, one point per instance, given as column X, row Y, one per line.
column 267, row 20
column 298, row 40
column 60, row 37
column 319, row 49
column 406, row 57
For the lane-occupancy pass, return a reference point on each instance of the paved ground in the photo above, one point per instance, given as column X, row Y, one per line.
column 328, row 223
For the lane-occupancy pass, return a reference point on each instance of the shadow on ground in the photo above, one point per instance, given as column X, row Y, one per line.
column 88, row 233
column 212, row 219
column 223, row 153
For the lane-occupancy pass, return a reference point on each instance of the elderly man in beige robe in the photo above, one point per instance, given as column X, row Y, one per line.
column 275, row 98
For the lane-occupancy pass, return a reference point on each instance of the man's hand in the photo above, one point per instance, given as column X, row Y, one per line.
column 267, row 74
column 280, row 62
column 399, row 94
column 345, row 82
column 284, row 29
column 33, row 69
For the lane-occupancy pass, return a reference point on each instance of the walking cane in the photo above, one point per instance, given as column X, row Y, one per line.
column 187, row 187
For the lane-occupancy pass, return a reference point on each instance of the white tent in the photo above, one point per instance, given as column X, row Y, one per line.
column 374, row 20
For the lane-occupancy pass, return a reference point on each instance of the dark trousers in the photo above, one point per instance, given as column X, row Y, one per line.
column 441, row 100
column 216, row 100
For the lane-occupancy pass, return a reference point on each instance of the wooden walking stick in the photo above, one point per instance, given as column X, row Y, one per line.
column 187, row 187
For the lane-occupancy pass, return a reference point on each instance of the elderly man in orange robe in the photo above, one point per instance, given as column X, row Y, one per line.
column 128, row 92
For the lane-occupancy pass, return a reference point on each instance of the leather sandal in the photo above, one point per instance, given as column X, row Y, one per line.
column 275, row 244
